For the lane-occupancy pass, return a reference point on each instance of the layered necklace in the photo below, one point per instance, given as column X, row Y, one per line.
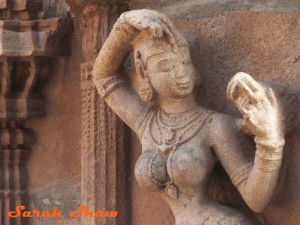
column 168, row 131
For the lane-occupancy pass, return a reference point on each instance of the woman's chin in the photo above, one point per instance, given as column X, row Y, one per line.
column 184, row 92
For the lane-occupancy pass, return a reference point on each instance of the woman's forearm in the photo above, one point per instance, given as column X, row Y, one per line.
column 114, row 51
column 263, row 116
column 258, row 188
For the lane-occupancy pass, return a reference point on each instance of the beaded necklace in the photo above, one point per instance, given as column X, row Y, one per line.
column 184, row 127
column 181, row 128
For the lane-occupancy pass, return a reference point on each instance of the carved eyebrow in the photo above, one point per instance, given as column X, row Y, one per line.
column 163, row 60
column 155, row 54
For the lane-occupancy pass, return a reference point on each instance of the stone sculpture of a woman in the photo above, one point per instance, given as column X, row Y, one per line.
column 182, row 141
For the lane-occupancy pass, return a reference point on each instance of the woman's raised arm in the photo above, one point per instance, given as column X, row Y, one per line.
column 120, row 97
column 256, row 180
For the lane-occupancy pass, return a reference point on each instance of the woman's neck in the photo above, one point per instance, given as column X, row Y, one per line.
column 179, row 105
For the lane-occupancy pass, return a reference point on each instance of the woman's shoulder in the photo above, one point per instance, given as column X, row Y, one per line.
column 149, row 111
column 220, row 124
column 221, row 119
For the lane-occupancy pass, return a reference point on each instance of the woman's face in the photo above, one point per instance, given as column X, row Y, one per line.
column 172, row 75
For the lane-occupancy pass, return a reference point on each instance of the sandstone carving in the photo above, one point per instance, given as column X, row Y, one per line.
column 181, row 140
column 102, row 149
column 27, row 46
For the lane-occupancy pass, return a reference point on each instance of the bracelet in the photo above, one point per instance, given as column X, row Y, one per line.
column 269, row 150
column 269, row 144
column 106, row 85
column 268, row 154
column 267, row 165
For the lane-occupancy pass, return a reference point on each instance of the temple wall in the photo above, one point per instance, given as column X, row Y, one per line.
column 212, row 8
column 257, row 37
column 55, row 162
column 261, row 38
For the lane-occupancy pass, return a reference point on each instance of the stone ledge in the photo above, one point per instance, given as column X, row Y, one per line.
column 21, row 5
column 35, row 38
column 21, row 108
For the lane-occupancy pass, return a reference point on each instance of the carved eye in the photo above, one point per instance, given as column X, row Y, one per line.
column 167, row 68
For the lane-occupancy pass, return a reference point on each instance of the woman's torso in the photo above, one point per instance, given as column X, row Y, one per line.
column 176, row 155
column 177, row 161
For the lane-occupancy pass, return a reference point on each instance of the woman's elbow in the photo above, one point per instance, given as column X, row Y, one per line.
column 256, row 203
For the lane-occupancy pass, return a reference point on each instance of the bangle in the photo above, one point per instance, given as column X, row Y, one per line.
column 269, row 150
column 270, row 144
column 106, row 85
column 267, row 165
column 268, row 154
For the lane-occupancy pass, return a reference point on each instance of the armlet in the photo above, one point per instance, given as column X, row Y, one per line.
column 106, row 85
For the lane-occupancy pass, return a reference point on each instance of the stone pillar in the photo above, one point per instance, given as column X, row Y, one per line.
column 103, row 159
column 27, row 44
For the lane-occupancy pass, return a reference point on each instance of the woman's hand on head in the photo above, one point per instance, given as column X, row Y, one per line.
column 258, row 105
column 156, row 23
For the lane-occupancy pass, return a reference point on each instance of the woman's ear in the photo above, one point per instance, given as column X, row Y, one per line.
column 140, row 69
column 140, row 66
column 145, row 89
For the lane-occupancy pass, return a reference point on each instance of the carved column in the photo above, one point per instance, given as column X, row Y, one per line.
column 27, row 45
column 103, row 134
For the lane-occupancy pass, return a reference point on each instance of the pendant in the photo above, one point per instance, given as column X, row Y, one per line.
column 170, row 138
column 165, row 147
column 171, row 190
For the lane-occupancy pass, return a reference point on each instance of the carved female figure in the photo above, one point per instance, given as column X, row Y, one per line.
column 182, row 141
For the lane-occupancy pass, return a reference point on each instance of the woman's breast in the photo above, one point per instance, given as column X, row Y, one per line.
column 186, row 166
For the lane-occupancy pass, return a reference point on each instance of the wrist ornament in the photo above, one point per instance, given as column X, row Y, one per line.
column 269, row 154
column 108, row 84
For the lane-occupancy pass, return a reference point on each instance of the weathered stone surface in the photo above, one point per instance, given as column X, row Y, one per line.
column 55, row 8
column 266, row 46
column 194, row 9
column 77, row 6
column 82, row 3
column 63, row 195
column 27, row 47
column 21, row 10
column 54, row 166
column 179, row 147
column 223, row 38
column 103, row 134
column 35, row 38
column 21, row 5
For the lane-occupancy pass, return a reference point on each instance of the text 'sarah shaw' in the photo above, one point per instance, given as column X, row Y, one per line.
column 81, row 211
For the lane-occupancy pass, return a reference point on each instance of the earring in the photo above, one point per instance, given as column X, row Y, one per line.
column 145, row 91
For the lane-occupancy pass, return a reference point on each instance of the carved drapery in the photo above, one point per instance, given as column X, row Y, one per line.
column 27, row 44
column 103, row 134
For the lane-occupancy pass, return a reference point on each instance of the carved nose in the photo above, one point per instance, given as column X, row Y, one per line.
column 180, row 73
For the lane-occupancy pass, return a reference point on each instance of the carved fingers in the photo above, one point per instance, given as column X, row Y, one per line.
column 241, row 91
column 256, row 102
column 156, row 23
column 242, row 85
